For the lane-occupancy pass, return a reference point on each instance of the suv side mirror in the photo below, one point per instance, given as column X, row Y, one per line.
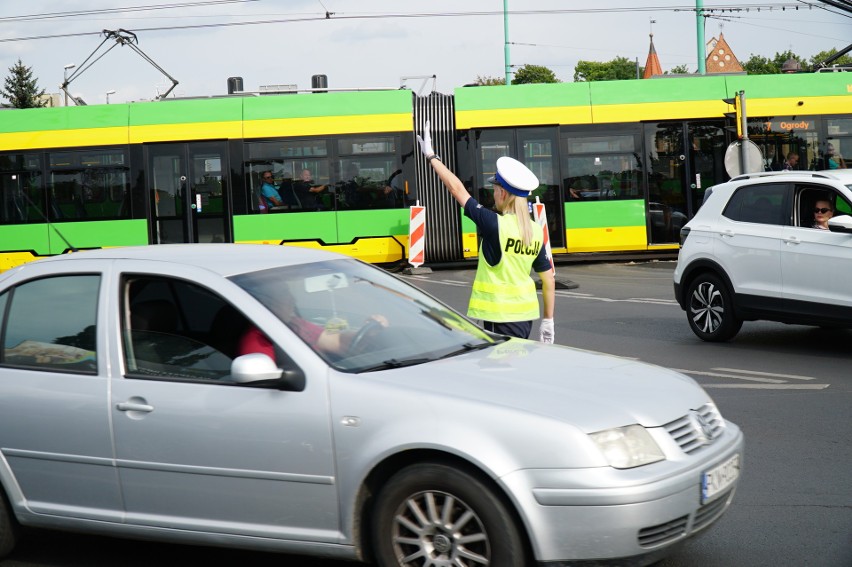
column 843, row 223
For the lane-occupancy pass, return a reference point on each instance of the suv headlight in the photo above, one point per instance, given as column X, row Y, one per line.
column 628, row 447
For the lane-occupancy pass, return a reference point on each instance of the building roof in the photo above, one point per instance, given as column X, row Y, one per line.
column 652, row 64
column 720, row 57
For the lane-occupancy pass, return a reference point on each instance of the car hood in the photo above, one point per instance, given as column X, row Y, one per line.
column 589, row 390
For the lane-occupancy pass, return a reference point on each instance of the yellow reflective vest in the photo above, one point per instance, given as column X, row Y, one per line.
column 506, row 292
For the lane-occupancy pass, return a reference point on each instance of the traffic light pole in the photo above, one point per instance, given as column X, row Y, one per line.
column 744, row 129
column 741, row 120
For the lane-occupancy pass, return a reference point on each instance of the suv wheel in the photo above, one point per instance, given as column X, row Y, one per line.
column 710, row 309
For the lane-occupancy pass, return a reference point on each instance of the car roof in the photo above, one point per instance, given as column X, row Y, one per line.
column 225, row 259
column 842, row 175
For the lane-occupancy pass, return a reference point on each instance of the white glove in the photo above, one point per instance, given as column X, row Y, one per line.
column 426, row 141
column 546, row 331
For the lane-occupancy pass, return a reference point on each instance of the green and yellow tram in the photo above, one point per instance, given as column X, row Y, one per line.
column 623, row 164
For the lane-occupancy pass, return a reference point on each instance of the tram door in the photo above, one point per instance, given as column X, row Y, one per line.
column 684, row 159
column 188, row 189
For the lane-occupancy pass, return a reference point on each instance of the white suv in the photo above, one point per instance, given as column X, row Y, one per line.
column 752, row 252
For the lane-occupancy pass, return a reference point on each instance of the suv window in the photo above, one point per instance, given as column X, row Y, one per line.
column 764, row 204
column 35, row 337
column 807, row 197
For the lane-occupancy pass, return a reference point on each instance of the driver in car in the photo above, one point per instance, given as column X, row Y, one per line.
column 331, row 338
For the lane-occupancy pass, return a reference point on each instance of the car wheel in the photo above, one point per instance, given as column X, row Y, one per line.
column 436, row 515
column 710, row 309
column 8, row 527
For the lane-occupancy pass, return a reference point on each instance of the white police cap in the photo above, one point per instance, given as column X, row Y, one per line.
column 514, row 177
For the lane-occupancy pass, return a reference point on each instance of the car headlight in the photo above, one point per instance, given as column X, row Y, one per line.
column 628, row 447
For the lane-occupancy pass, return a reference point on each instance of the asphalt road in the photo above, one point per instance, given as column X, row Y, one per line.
column 788, row 387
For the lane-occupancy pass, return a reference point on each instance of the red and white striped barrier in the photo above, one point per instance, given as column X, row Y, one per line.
column 416, row 235
column 540, row 216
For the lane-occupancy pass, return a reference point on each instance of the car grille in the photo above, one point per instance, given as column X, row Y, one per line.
column 697, row 429
column 655, row 535
column 709, row 512
column 705, row 515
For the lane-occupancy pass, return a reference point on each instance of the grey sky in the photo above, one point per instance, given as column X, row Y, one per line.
column 367, row 43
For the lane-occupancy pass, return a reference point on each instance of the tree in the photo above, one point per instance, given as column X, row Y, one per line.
column 488, row 80
column 823, row 55
column 618, row 69
column 534, row 74
column 759, row 65
column 21, row 89
column 679, row 70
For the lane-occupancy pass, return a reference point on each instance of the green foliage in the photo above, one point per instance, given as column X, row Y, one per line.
column 488, row 80
column 534, row 74
column 759, row 65
column 823, row 55
column 679, row 70
column 618, row 69
column 21, row 89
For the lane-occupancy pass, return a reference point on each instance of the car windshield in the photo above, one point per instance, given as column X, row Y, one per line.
column 377, row 320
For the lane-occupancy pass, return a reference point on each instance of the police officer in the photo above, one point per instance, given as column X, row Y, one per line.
column 504, row 294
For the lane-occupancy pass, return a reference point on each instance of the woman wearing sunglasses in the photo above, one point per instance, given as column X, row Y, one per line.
column 822, row 212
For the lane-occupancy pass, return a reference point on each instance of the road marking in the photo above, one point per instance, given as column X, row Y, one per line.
column 770, row 386
column 561, row 293
column 734, row 376
column 453, row 283
column 651, row 301
column 790, row 376
column 777, row 382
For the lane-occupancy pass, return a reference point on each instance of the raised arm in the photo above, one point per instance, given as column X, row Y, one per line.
column 447, row 177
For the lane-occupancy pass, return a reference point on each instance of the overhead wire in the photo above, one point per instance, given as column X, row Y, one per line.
column 369, row 16
column 99, row 11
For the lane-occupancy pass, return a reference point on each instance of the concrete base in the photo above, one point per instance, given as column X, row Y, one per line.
column 412, row 271
column 561, row 283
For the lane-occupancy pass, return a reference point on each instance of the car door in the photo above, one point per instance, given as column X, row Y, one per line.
column 56, row 455
column 196, row 452
column 816, row 264
column 749, row 243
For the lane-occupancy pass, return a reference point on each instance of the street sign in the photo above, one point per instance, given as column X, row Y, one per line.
column 743, row 150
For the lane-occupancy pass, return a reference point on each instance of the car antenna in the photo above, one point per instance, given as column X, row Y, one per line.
column 121, row 37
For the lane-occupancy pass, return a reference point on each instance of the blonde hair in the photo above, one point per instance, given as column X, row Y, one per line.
column 514, row 205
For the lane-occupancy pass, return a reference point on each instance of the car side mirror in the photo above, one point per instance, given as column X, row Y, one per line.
column 842, row 223
column 259, row 370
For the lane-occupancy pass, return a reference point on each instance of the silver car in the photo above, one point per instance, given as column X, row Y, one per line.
column 285, row 399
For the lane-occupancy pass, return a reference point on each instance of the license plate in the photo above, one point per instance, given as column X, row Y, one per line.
column 719, row 478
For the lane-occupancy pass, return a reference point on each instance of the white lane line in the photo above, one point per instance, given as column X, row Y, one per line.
column 754, row 372
column 440, row 282
column 734, row 376
column 770, row 386
column 575, row 295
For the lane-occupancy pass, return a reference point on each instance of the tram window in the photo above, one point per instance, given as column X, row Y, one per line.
column 364, row 183
column 371, row 145
column 21, row 198
column 598, row 144
column 88, row 185
column 603, row 177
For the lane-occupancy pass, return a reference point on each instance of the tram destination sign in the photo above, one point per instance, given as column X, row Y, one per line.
column 788, row 125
